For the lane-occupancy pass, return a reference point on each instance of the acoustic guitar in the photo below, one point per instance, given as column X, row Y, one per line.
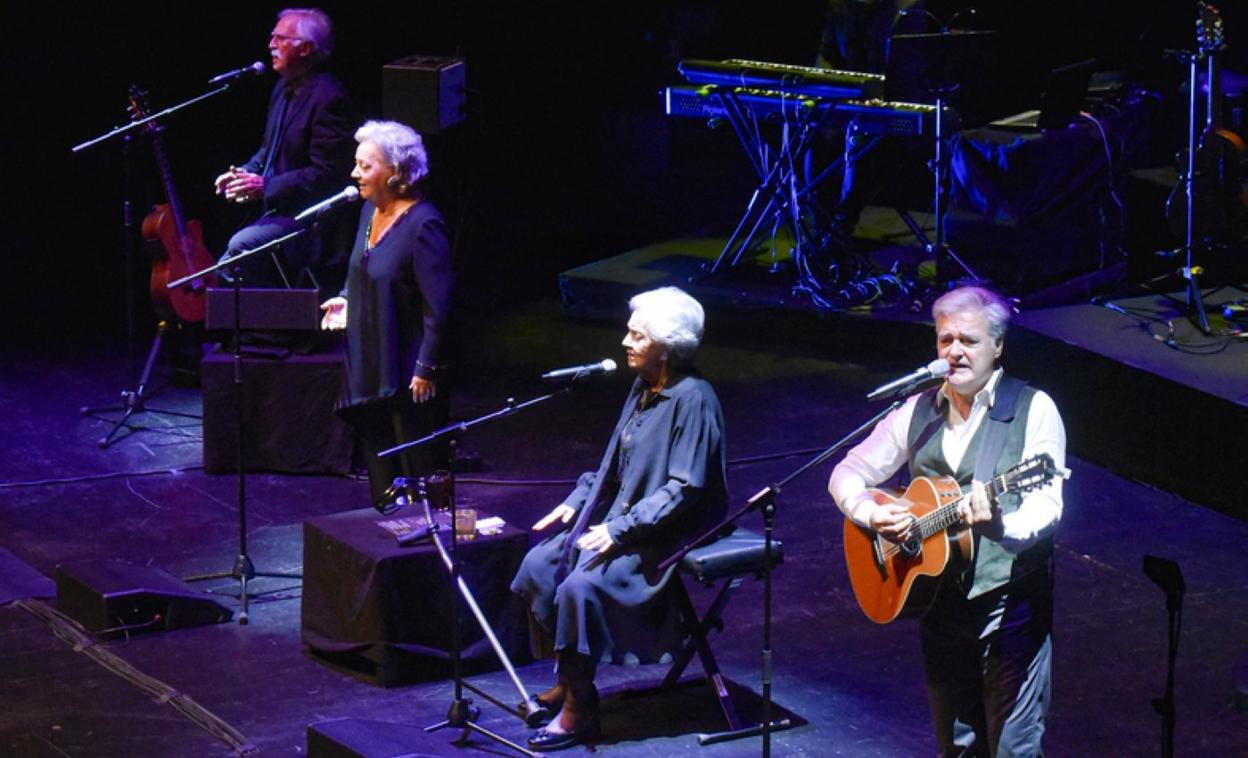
column 900, row 579
column 177, row 245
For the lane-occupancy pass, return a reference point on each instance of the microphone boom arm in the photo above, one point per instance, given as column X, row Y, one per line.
column 507, row 410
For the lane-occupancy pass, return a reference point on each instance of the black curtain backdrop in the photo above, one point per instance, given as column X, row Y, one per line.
column 565, row 157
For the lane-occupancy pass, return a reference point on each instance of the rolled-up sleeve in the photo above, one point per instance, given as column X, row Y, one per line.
column 872, row 461
column 1041, row 509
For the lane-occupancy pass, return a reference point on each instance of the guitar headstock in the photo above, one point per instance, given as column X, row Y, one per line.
column 1210, row 32
column 136, row 105
column 1033, row 473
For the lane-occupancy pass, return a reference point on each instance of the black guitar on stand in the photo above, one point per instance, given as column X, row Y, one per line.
column 1207, row 205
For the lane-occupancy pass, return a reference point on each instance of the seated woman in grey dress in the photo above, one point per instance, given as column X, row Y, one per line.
column 594, row 584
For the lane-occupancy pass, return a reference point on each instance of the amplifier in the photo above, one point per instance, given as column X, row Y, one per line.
column 425, row 92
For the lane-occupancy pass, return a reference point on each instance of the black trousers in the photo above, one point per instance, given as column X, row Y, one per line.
column 383, row 424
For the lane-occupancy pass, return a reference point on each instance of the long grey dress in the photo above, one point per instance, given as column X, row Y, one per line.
column 661, row 482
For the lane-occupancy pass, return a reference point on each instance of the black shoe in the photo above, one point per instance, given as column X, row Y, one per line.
column 545, row 741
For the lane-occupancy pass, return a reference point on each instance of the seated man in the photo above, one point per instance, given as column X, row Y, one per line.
column 306, row 156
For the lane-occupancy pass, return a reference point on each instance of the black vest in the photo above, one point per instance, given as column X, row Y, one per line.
column 994, row 566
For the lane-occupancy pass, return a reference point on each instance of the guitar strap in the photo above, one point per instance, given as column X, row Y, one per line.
column 998, row 422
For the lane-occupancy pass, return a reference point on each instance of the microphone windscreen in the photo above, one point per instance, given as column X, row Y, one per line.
column 938, row 368
column 608, row 365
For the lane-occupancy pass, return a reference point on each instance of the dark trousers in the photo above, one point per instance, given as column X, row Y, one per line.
column 393, row 422
column 305, row 261
column 987, row 663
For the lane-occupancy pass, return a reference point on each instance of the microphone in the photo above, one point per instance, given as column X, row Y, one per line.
column 907, row 383
column 573, row 373
column 348, row 195
column 256, row 68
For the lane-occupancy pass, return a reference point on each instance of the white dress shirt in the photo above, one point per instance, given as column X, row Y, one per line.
column 886, row 450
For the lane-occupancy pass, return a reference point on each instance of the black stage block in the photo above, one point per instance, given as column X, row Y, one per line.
column 381, row 610
column 424, row 91
column 362, row 738
column 289, row 424
column 124, row 598
column 1153, row 247
column 1021, row 258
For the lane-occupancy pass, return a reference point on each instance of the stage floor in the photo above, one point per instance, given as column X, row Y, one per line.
column 788, row 389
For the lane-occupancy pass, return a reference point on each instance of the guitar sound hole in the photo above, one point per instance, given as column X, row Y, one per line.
column 911, row 547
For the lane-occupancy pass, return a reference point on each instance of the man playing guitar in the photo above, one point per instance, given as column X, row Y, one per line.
column 986, row 637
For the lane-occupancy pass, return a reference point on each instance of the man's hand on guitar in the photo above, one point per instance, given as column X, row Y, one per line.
column 980, row 510
column 893, row 521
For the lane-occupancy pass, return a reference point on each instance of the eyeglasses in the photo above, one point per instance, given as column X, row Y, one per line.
column 282, row 38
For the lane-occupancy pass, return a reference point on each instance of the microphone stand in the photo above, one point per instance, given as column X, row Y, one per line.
column 765, row 501
column 243, row 570
column 462, row 713
column 133, row 398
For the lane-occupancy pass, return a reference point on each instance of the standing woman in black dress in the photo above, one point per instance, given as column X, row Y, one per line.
column 396, row 306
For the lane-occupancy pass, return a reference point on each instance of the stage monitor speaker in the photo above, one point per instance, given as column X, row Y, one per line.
column 363, row 738
column 113, row 598
column 425, row 92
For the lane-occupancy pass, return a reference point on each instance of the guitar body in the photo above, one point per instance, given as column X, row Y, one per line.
column 155, row 231
column 1218, row 210
column 174, row 256
column 891, row 580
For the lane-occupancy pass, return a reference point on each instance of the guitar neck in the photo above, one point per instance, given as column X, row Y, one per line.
column 947, row 515
column 166, row 179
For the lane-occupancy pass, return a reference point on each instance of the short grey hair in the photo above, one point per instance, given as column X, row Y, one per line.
column 970, row 299
column 403, row 148
column 313, row 25
column 672, row 318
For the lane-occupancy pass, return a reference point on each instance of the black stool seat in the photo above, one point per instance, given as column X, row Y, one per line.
column 740, row 553
column 729, row 559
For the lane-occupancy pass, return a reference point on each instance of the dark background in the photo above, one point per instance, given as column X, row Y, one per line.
column 565, row 157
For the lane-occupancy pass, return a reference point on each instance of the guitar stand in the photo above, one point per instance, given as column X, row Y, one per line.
column 1194, row 300
column 134, row 401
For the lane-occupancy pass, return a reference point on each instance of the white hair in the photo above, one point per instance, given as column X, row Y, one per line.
column 672, row 318
column 403, row 148
column 971, row 299
column 313, row 25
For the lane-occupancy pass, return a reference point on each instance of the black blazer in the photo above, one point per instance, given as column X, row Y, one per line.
column 316, row 149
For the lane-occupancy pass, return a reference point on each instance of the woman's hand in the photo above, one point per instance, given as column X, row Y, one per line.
column 597, row 539
column 562, row 512
column 335, row 318
column 423, row 389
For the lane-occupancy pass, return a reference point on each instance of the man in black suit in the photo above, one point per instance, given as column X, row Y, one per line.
column 306, row 156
